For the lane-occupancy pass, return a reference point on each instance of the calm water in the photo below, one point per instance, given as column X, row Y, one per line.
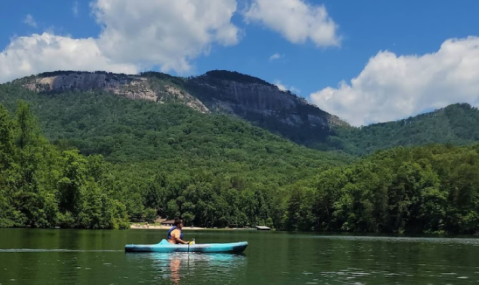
column 97, row 257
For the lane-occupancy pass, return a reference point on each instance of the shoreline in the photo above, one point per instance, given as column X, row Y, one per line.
column 137, row 226
column 157, row 227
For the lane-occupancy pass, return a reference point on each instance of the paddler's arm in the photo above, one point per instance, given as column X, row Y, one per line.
column 176, row 236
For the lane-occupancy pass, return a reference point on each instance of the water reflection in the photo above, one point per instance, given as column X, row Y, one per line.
column 182, row 268
column 395, row 239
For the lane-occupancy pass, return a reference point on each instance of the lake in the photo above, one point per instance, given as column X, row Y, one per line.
column 97, row 257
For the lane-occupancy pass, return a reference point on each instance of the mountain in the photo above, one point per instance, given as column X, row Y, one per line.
column 456, row 124
column 166, row 137
column 186, row 148
column 166, row 158
column 247, row 97
column 264, row 105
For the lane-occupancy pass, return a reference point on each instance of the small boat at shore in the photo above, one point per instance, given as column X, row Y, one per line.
column 166, row 247
column 263, row 228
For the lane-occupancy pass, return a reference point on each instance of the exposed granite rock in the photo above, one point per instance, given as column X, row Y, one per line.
column 245, row 98
column 79, row 81
column 251, row 98
column 182, row 96
column 130, row 86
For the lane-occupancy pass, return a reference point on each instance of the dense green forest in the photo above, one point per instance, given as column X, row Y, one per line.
column 108, row 160
column 430, row 189
column 41, row 186
column 170, row 160
column 455, row 124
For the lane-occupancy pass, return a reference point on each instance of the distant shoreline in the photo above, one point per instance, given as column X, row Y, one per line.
column 137, row 226
column 158, row 227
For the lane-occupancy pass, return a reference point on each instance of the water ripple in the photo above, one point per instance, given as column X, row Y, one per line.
column 466, row 241
column 54, row 250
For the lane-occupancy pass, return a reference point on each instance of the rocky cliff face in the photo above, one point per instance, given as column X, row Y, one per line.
column 248, row 97
column 134, row 87
column 244, row 96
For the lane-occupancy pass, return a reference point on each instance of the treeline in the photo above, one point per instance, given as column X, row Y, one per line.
column 169, row 160
column 215, row 171
column 41, row 186
column 431, row 189
column 205, row 199
column 240, row 173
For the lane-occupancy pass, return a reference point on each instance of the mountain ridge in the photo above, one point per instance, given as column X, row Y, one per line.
column 453, row 124
column 263, row 104
column 248, row 97
column 117, row 83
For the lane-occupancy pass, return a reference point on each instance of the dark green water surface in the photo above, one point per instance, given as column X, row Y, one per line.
column 97, row 257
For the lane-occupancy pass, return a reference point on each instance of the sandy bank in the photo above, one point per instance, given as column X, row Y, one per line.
column 138, row 226
column 158, row 227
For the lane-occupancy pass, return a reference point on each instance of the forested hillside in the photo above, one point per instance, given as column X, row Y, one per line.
column 167, row 159
column 264, row 105
column 456, row 124
column 41, row 186
column 431, row 189
column 218, row 92
column 137, row 159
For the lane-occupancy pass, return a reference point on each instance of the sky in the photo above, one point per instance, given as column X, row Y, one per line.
column 364, row 61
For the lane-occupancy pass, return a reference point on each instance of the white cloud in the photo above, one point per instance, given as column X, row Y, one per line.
column 280, row 85
column 295, row 90
column 275, row 56
column 283, row 87
column 136, row 35
column 29, row 20
column 296, row 20
column 75, row 9
column 164, row 32
column 47, row 52
column 392, row 87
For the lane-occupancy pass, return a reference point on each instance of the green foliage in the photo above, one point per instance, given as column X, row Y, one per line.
column 138, row 160
column 41, row 186
column 166, row 160
column 455, row 124
column 431, row 189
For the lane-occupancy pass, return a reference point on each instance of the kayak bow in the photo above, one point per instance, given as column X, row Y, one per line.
column 166, row 247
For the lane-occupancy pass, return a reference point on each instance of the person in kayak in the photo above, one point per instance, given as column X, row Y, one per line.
column 175, row 235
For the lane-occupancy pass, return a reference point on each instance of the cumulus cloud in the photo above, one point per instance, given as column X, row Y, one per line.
column 164, row 32
column 47, row 52
column 392, row 87
column 275, row 57
column 136, row 35
column 295, row 20
column 29, row 20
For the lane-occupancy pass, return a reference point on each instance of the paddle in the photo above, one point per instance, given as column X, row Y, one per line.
column 189, row 243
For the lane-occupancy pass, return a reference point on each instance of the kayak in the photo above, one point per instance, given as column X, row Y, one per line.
column 166, row 247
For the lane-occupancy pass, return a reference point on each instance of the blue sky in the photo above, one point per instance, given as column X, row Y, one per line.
column 372, row 39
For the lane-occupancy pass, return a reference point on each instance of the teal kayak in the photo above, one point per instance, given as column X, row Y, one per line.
column 165, row 247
